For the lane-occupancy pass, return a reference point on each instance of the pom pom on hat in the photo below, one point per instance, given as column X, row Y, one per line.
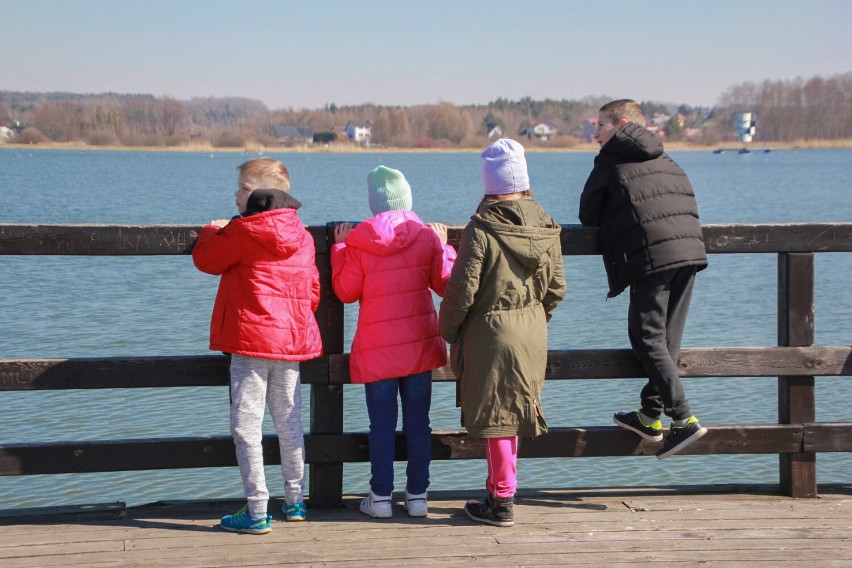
column 388, row 190
column 504, row 168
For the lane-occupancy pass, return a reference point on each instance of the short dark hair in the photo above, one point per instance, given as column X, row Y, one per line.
column 624, row 108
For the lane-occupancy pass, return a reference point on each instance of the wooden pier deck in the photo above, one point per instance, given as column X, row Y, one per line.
column 734, row 527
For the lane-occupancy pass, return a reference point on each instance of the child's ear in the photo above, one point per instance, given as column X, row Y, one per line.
column 623, row 121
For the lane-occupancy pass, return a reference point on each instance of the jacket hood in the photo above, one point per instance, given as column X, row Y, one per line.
column 279, row 230
column 522, row 228
column 262, row 200
column 635, row 142
column 386, row 233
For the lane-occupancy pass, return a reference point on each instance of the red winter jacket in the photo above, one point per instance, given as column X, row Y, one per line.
column 389, row 263
column 269, row 288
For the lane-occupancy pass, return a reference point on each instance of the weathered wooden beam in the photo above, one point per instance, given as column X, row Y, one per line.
column 581, row 364
column 578, row 364
column 827, row 437
column 325, row 479
column 122, row 240
column 796, row 394
column 331, row 449
column 778, row 237
column 129, row 372
column 109, row 240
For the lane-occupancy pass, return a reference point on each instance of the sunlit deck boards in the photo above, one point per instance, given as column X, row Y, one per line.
column 614, row 527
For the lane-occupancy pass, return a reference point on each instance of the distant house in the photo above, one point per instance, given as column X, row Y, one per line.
column 544, row 131
column 660, row 119
column 693, row 134
column 6, row 133
column 359, row 131
column 589, row 127
column 493, row 130
column 340, row 132
column 291, row 134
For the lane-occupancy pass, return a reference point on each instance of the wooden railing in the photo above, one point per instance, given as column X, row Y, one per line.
column 796, row 438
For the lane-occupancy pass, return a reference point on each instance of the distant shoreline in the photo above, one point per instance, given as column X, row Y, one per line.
column 588, row 147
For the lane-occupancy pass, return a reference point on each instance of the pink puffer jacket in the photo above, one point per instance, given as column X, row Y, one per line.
column 390, row 262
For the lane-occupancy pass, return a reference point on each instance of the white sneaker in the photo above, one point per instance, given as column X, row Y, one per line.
column 416, row 505
column 377, row 506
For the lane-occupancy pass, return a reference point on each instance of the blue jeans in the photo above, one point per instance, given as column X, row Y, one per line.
column 415, row 391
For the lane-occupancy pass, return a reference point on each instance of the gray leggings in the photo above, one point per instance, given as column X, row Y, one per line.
column 254, row 384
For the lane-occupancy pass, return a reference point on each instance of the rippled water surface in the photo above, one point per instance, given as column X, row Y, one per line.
column 122, row 306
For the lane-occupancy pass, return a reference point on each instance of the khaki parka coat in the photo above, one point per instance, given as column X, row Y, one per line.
column 505, row 284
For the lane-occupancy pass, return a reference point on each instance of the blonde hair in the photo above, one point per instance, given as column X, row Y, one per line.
column 269, row 172
column 627, row 109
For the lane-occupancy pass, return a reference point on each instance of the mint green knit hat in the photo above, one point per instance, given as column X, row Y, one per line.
column 388, row 190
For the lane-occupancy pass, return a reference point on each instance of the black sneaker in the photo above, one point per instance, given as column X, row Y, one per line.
column 492, row 511
column 680, row 437
column 652, row 432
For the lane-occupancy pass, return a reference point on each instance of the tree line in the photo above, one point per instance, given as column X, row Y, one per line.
column 799, row 109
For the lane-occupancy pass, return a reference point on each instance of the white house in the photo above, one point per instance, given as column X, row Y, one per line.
column 6, row 133
column 359, row 131
column 544, row 130
column 493, row 130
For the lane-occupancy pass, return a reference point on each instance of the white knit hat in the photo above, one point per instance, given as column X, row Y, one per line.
column 504, row 168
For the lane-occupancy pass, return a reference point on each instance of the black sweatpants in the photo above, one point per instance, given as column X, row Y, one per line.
column 655, row 322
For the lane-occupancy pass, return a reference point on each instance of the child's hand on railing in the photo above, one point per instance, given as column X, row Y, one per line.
column 341, row 231
column 439, row 228
column 220, row 222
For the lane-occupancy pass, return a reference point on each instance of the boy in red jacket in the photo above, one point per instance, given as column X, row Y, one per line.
column 264, row 318
column 390, row 263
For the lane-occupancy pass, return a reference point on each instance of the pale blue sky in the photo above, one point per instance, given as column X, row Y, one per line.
column 306, row 54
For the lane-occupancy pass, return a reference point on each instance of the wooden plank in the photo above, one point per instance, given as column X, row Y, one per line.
column 325, row 477
column 778, row 237
column 109, row 240
column 590, row 528
column 581, row 364
column 827, row 437
column 796, row 394
column 336, row 448
column 130, row 372
column 64, row 513
column 122, row 240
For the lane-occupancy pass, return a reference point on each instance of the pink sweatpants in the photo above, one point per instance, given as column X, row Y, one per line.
column 502, row 457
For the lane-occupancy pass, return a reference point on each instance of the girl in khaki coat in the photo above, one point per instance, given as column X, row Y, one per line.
column 505, row 284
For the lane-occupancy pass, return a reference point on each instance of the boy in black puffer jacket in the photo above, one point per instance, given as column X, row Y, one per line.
column 651, row 242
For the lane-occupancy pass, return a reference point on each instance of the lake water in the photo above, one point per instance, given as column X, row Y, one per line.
column 64, row 307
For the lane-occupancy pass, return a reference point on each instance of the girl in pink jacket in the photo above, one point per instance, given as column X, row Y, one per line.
column 389, row 263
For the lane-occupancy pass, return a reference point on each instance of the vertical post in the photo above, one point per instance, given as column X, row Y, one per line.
column 326, row 479
column 796, row 400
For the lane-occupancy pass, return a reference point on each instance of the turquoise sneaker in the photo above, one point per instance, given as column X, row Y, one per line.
column 296, row 511
column 241, row 522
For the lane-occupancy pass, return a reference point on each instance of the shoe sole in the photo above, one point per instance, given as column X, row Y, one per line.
column 245, row 531
column 410, row 514
column 643, row 435
column 375, row 515
column 488, row 521
column 296, row 519
column 683, row 445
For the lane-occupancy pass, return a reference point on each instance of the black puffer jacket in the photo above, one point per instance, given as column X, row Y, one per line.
column 645, row 208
